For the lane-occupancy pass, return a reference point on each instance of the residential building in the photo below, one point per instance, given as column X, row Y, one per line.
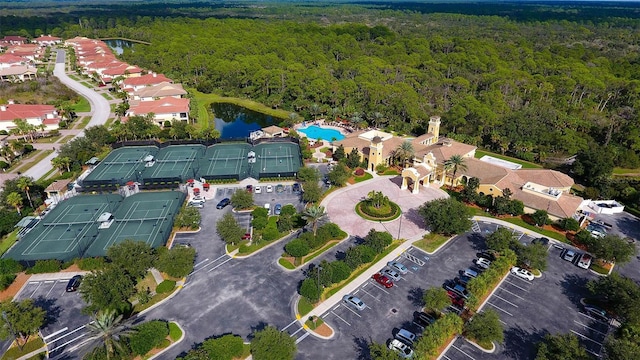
column 40, row 116
column 157, row 92
column 167, row 109
column 47, row 40
column 18, row 73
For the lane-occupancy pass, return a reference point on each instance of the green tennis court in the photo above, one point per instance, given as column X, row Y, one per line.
column 276, row 159
column 71, row 229
column 225, row 161
column 175, row 161
column 119, row 166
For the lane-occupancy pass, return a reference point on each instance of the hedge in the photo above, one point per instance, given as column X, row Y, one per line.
column 436, row 334
column 324, row 234
column 226, row 347
column 165, row 286
column 147, row 336
column 488, row 279
column 89, row 264
column 45, row 266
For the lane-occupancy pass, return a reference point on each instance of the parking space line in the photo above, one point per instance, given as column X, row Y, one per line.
column 55, row 333
column 348, row 308
column 446, row 357
column 50, row 290
column 501, row 309
column 368, row 293
column 380, row 288
column 337, row 306
column 203, row 261
column 593, row 353
column 222, row 263
column 345, row 321
column 291, row 323
column 457, row 348
column 297, row 331
column 505, row 300
column 590, row 328
column 586, row 337
column 68, row 342
column 518, row 296
column 594, row 319
column 69, row 333
column 521, row 288
column 302, row 337
column 34, row 291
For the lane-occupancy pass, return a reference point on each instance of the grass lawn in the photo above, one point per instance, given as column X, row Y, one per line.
column 8, row 241
column 66, row 139
column 314, row 324
column 15, row 353
column 106, row 96
column 147, row 282
column 390, row 172
column 304, row 306
column 86, row 84
column 48, row 139
column 622, row 171
column 287, row 265
column 547, row 233
column 74, row 77
column 174, row 331
column 34, row 158
column 324, row 149
column 430, row 242
column 49, row 173
column 246, row 351
column 205, row 113
column 81, row 106
column 599, row 269
column 336, row 287
column 362, row 178
column 154, row 300
column 525, row 164
column 109, row 122
column 82, row 124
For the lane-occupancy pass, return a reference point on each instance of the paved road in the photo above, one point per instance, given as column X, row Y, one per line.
column 99, row 106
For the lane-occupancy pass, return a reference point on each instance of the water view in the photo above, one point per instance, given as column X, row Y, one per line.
column 235, row 121
column 118, row 45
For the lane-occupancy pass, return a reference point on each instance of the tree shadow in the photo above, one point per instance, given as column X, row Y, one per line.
column 414, row 216
column 361, row 345
column 52, row 310
column 520, row 345
column 477, row 241
column 259, row 327
column 629, row 227
column 415, row 296
column 575, row 288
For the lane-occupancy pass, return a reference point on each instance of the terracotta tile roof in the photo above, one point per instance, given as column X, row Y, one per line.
column 442, row 151
column 11, row 59
column 486, row 172
column 51, row 121
column 165, row 106
column 58, row 185
column 163, row 89
column 549, row 178
column 351, row 141
column 148, row 79
column 46, row 38
column 22, row 111
column 14, row 38
column 420, row 139
column 564, row 207
column 122, row 69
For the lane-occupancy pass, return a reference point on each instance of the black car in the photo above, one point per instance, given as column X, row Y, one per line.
column 296, row 188
column 422, row 320
column 224, row 202
column 488, row 254
column 74, row 283
column 462, row 280
column 542, row 241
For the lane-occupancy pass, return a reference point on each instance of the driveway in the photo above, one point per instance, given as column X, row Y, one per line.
column 340, row 207
column 99, row 106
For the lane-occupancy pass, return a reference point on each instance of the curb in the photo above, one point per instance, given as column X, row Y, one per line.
column 179, row 285
column 473, row 343
column 264, row 247
column 173, row 344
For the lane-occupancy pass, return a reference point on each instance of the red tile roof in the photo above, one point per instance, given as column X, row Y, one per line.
column 10, row 59
column 23, row 111
column 148, row 79
column 122, row 70
column 46, row 38
column 165, row 106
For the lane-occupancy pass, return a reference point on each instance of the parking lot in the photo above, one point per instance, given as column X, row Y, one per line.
column 66, row 325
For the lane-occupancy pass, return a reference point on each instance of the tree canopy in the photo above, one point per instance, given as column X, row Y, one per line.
column 446, row 216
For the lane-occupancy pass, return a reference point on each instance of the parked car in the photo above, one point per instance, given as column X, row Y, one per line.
column 456, row 299
column 596, row 312
column 488, row 254
column 422, row 320
column 469, row 273
column 393, row 275
column 74, row 283
column 277, row 209
column 522, row 273
column 257, row 190
column 269, row 188
column 585, row 261
column 246, row 236
column 249, row 188
column 542, row 241
column 224, row 202
column 296, row 188
column 268, row 207
column 570, row 255
column 354, row 302
column 406, row 336
column 483, row 263
column 396, row 266
column 462, row 280
column 382, row 280
column 457, row 288
column 401, row 348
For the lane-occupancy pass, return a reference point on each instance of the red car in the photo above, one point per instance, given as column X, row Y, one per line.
column 246, row 236
column 382, row 280
column 249, row 188
column 456, row 299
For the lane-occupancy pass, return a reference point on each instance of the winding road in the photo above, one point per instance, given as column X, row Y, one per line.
column 100, row 110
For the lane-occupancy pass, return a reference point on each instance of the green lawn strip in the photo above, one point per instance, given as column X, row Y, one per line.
column 113, row 107
column 304, row 306
column 623, row 171
column 48, row 174
column 15, row 353
column 109, row 122
column 362, row 178
column 324, row 149
column 87, row 85
column 8, row 241
column 174, row 332
column 430, row 242
column 334, row 289
column 66, row 139
column 599, row 269
column 74, row 77
column 326, row 193
column 314, row 324
column 34, row 158
column 106, row 96
column 154, row 300
column 390, row 172
column 48, row 139
column 82, row 123
column 286, row 264
column 547, row 233
column 205, row 101
column 81, row 106
column 525, row 164
column 320, row 251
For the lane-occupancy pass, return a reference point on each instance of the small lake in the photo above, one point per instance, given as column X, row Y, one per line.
column 235, row 121
column 118, row 45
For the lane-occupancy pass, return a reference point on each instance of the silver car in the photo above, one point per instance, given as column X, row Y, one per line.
column 396, row 266
column 354, row 301
column 393, row 275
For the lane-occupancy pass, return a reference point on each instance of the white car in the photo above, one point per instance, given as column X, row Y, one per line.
column 269, row 188
column 401, row 348
column 483, row 263
column 522, row 273
column 257, row 190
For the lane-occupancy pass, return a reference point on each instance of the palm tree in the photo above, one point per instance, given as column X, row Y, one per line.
column 14, row 199
column 405, row 151
column 315, row 109
column 377, row 199
column 453, row 164
column 23, row 184
column 62, row 163
column 313, row 214
column 107, row 328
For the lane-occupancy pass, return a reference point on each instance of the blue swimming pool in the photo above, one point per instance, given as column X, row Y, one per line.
column 317, row 132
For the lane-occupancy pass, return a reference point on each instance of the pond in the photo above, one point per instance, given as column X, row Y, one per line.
column 235, row 121
column 118, row 45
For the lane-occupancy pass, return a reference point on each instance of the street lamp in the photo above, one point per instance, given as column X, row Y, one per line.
column 400, row 225
column 318, row 272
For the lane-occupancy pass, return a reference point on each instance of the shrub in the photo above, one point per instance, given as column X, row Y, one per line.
column 378, row 240
column 89, row 264
column 163, row 344
column 226, row 347
column 569, row 224
column 297, row 248
column 260, row 212
column 45, row 266
column 437, row 333
column 259, row 222
column 334, row 230
column 165, row 286
column 4, row 165
column 9, row 266
column 176, row 262
column 270, row 232
column 359, row 172
column 339, row 271
column 6, row 280
column 485, row 327
column 309, row 289
column 147, row 336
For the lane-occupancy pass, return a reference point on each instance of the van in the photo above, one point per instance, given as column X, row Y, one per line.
column 406, row 336
column 268, row 207
column 470, row 273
